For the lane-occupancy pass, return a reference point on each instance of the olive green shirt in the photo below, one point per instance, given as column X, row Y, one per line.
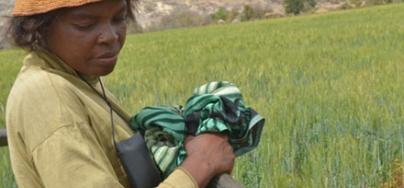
column 59, row 130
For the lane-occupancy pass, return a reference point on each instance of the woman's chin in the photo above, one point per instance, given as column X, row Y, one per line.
column 104, row 72
column 102, row 67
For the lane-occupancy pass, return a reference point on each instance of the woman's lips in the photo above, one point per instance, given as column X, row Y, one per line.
column 107, row 59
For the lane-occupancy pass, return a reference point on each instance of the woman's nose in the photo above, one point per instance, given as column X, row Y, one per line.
column 108, row 35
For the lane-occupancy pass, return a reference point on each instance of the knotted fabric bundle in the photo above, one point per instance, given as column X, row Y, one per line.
column 216, row 107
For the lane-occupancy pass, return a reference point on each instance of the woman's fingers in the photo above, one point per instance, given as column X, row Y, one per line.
column 214, row 147
column 208, row 155
column 228, row 151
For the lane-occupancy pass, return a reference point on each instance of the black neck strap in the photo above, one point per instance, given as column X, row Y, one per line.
column 104, row 97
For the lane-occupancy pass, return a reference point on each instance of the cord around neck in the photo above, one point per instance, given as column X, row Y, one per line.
column 104, row 97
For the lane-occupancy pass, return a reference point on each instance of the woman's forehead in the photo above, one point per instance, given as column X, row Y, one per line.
column 98, row 9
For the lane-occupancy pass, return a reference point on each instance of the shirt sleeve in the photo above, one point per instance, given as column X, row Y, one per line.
column 180, row 178
column 72, row 157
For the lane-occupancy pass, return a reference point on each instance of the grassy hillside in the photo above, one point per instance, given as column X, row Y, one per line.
column 331, row 87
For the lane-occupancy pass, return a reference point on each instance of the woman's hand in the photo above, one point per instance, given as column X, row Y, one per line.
column 208, row 155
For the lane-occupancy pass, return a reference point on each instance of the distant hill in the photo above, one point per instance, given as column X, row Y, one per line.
column 5, row 10
column 155, row 15
column 330, row 86
column 152, row 12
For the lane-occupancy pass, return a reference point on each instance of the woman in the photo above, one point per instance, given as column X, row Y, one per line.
column 57, row 120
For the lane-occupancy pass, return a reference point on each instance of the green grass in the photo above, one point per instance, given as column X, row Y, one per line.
column 331, row 87
column 10, row 63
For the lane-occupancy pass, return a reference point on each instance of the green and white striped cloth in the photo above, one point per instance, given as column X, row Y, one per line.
column 214, row 107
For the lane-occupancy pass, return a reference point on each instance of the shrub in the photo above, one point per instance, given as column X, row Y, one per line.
column 248, row 13
column 378, row 2
column 251, row 13
column 245, row 14
column 293, row 6
column 181, row 18
column 233, row 14
column 311, row 3
column 221, row 14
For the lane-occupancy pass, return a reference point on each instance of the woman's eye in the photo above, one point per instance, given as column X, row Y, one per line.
column 84, row 26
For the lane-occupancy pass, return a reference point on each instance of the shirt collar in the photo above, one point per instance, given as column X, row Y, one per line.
column 49, row 61
column 56, row 63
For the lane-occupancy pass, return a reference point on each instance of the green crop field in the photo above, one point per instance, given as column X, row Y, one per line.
column 331, row 87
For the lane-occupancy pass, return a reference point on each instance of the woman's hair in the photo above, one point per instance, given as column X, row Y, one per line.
column 28, row 32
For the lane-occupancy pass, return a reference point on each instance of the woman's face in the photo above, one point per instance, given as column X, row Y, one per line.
column 89, row 37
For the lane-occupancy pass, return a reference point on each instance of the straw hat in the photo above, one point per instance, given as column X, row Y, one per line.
column 32, row 7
